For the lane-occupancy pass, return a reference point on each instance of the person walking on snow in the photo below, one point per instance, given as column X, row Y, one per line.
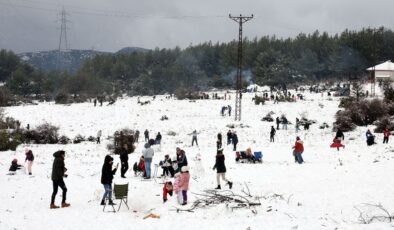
column 146, row 134
column 99, row 136
column 107, row 174
column 221, row 169
column 158, row 139
column 124, row 161
column 235, row 141
column 58, row 172
column 148, row 153
column 194, row 138
column 298, row 150
column 297, row 125
column 272, row 134
column 277, row 123
column 29, row 159
column 229, row 110
column 386, row 134
column 219, row 141
column 229, row 137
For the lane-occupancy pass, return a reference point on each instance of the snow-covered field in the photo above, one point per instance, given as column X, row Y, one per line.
column 323, row 193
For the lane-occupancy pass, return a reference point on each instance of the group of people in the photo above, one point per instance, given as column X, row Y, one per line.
column 232, row 138
column 29, row 158
column 223, row 110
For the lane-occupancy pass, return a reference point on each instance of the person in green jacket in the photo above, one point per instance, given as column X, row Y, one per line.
column 58, row 172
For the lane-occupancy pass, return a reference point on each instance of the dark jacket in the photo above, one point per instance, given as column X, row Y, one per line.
column 58, row 168
column 182, row 160
column 235, row 138
column 220, row 137
column 219, row 164
column 158, row 137
column 340, row 134
column 14, row 167
column 273, row 131
column 107, row 173
column 124, row 156
column 29, row 156
column 229, row 135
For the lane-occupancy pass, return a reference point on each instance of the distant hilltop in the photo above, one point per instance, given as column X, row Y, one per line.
column 70, row 60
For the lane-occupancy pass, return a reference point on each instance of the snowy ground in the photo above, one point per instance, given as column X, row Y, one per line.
column 320, row 194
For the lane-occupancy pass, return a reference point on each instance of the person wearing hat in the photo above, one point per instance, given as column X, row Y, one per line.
column 107, row 175
column 58, row 172
column 221, row 169
column 184, row 183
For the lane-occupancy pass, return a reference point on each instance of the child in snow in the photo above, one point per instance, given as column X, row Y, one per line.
column 29, row 159
column 336, row 143
column 184, row 183
column 176, row 187
column 167, row 167
column 14, row 166
column 140, row 167
column 221, row 169
column 298, row 150
column 167, row 189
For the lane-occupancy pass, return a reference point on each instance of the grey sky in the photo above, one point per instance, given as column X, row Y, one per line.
column 109, row 25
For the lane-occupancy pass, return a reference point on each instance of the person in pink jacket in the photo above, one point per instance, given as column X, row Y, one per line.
column 176, row 188
column 184, row 183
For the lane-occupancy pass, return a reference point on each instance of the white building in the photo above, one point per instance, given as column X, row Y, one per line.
column 383, row 72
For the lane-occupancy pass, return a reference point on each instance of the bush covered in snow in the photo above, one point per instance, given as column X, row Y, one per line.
column 43, row 134
column 384, row 122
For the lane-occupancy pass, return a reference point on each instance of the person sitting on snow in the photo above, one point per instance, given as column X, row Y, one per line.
column 167, row 166
column 15, row 166
column 370, row 138
column 140, row 167
column 167, row 189
column 249, row 155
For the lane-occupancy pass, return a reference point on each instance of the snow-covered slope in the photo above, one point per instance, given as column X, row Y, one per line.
column 323, row 193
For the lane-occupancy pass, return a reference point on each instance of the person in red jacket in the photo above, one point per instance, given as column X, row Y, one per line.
column 298, row 150
column 386, row 134
column 167, row 189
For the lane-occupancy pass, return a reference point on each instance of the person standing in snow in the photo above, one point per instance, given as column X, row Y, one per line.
column 107, row 174
column 146, row 134
column 184, row 183
column 284, row 123
column 148, row 153
column 298, row 150
column 58, row 172
column 158, row 139
column 219, row 141
column 297, row 125
column 339, row 135
column 370, row 138
column 99, row 136
column 136, row 135
column 124, row 161
column 29, row 159
column 176, row 187
column 194, row 137
column 386, row 134
column 181, row 159
column 221, row 169
column 272, row 134
column 229, row 110
column 229, row 137
column 235, row 140
column 277, row 123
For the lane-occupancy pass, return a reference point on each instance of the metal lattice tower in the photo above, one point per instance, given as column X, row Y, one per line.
column 63, row 43
column 238, row 97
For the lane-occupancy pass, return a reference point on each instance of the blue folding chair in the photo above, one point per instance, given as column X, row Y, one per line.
column 258, row 156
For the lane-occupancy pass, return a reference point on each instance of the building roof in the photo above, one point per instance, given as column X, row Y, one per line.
column 385, row 66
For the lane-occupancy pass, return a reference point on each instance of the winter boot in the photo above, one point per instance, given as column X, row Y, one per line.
column 52, row 206
column 102, row 202
column 218, row 187
column 111, row 202
column 65, row 205
column 230, row 184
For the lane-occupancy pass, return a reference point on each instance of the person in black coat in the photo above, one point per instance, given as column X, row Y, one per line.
column 14, row 166
column 181, row 159
column 107, row 174
column 272, row 134
column 235, row 141
column 339, row 135
column 124, row 161
column 221, row 169
column 29, row 159
column 229, row 137
column 219, row 141
column 158, row 138
column 58, row 172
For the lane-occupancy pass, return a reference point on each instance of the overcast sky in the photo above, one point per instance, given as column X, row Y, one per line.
column 109, row 25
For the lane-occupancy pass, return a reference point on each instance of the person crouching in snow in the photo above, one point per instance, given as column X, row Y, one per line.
column 336, row 143
column 107, row 174
column 298, row 150
column 221, row 169
column 167, row 189
column 176, row 188
column 184, row 183
column 14, row 166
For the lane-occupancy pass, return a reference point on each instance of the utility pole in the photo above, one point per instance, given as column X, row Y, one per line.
column 63, row 43
column 238, row 97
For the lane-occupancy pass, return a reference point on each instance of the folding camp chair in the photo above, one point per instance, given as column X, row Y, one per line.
column 258, row 156
column 121, row 193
